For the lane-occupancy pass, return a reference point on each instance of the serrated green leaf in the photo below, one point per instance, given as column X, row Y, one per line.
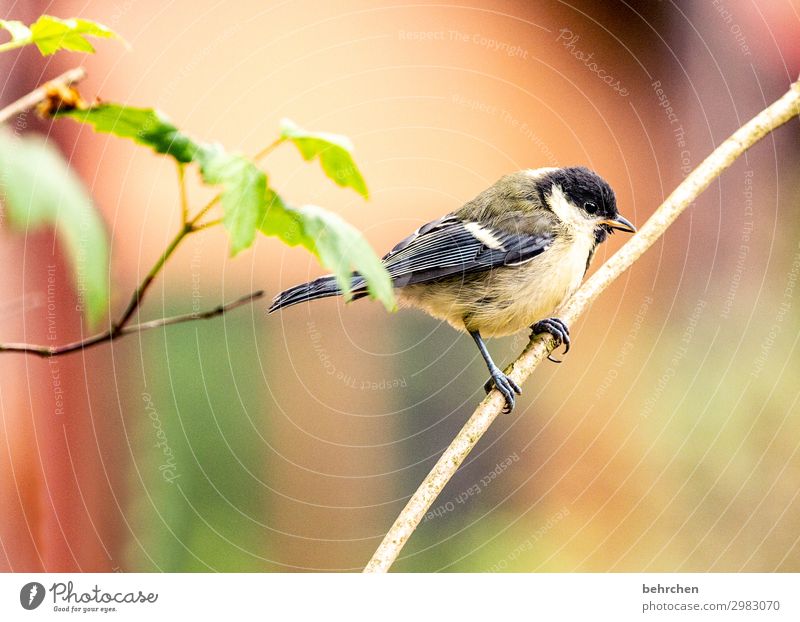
column 282, row 221
column 51, row 34
column 41, row 190
column 244, row 194
column 244, row 187
column 334, row 152
column 248, row 202
column 145, row 126
column 338, row 245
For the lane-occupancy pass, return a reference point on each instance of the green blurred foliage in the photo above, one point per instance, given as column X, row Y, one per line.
column 41, row 190
column 51, row 34
column 200, row 504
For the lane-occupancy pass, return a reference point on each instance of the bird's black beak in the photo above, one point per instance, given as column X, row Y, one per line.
column 621, row 223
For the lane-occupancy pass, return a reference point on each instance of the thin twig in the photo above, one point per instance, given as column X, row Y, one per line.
column 200, row 315
column 204, row 210
column 38, row 95
column 268, row 149
column 109, row 335
column 208, row 225
column 786, row 108
column 136, row 299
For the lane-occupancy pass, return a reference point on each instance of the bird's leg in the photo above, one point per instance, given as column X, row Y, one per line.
column 503, row 383
column 555, row 327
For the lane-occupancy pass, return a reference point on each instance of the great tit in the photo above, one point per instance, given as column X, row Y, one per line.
column 502, row 262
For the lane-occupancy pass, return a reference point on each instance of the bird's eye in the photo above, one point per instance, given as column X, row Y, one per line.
column 590, row 207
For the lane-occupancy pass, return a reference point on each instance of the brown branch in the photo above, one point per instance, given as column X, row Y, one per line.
column 40, row 94
column 111, row 334
column 786, row 108
column 138, row 295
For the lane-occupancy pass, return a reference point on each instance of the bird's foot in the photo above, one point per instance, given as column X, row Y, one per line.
column 555, row 327
column 505, row 385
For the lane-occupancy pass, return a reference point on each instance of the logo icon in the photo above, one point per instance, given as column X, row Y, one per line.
column 31, row 595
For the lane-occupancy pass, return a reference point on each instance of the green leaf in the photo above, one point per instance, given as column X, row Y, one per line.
column 143, row 125
column 51, row 34
column 245, row 196
column 339, row 246
column 334, row 152
column 248, row 203
column 282, row 221
column 244, row 193
column 41, row 190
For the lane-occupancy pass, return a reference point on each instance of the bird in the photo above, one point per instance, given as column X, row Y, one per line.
column 501, row 263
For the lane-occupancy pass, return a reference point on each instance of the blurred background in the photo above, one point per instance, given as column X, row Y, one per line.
column 667, row 440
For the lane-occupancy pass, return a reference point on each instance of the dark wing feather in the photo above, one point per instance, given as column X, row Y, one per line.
column 442, row 248
column 451, row 246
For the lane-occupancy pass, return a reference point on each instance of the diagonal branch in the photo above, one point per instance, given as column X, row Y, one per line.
column 786, row 108
column 112, row 333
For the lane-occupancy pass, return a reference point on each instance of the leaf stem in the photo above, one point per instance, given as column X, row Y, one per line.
column 207, row 207
column 13, row 45
column 786, row 108
column 269, row 149
column 138, row 295
column 184, row 198
column 193, row 222
column 208, row 225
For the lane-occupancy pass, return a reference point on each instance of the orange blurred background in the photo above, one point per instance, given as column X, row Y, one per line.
column 666, row 441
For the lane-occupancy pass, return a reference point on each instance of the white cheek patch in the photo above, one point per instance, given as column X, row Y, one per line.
column 484, row 236
column 568, row 213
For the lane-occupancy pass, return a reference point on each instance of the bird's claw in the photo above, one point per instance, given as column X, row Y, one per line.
column 559, row 331
column 506, row 386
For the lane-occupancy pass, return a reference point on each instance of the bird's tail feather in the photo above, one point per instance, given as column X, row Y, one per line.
column 322, row 287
